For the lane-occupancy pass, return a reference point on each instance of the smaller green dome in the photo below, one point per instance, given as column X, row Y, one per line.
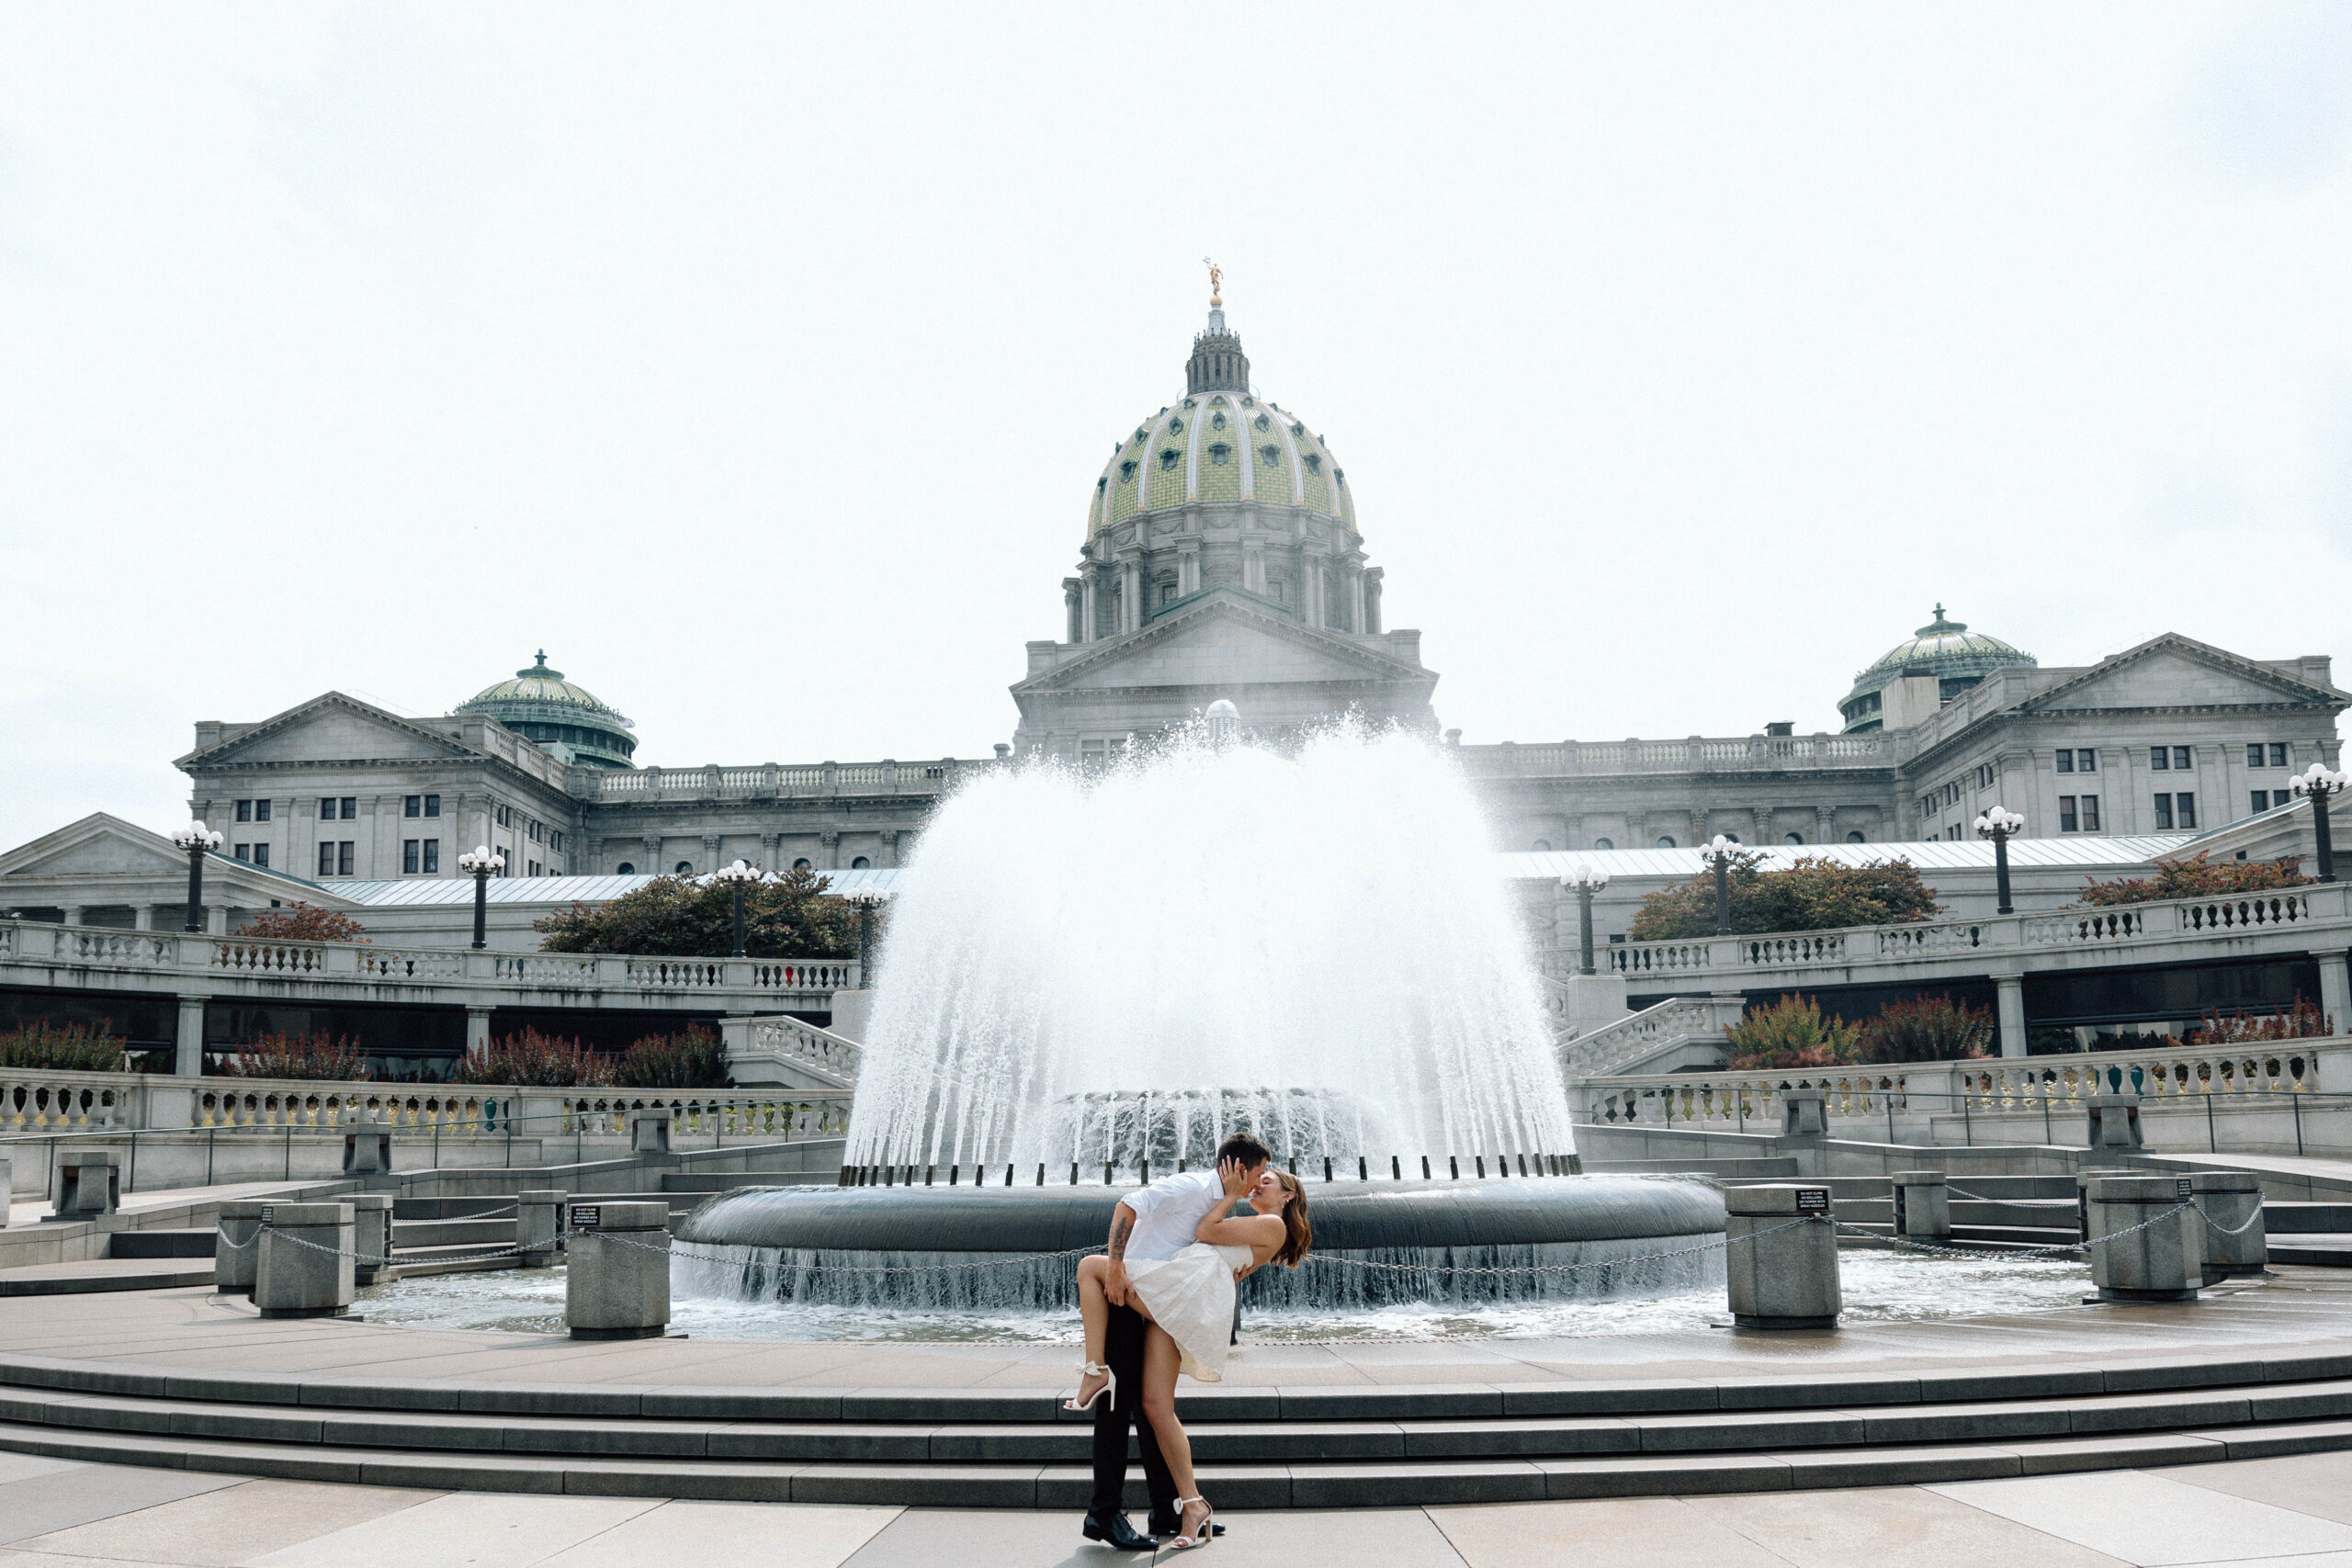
column 549, row 710
column 1944, row 648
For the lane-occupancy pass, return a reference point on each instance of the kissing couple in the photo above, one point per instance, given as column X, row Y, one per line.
column 1161, row 1303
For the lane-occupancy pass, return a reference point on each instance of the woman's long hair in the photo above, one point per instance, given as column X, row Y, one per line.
column 1297, row 1232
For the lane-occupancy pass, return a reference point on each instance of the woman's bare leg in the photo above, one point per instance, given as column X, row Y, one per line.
column 1094, row 1311
column 1160, row 1360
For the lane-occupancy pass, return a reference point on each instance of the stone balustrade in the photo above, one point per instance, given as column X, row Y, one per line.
column 1692, row 754
column 1645, row 1035
column 775, row 782
column 827, row 1058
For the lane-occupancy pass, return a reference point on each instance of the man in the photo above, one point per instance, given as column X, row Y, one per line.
column 1156, row 1222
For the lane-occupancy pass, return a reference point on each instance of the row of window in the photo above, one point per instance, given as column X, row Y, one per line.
column 337, row 859
column 420, row 856
column 253, row 855
column 348, row 812
column 1666, row 841
column 2085, row 760
column 253, row 811
column 421, row 805
column 2078, row 814
column 2162, row 759
column 2176, row 811
column 342, row 808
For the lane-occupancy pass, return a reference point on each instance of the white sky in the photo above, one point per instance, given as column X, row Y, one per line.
column 758, row 361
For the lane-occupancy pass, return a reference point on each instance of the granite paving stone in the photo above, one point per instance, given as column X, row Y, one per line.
column 2151, row 1520
column 229, row 1525
column 2319, row 1485
column 480, row 1529
column 39, row 1504
column 731, row 1535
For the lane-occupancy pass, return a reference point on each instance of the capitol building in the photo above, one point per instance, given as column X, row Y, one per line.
column 1222, row 556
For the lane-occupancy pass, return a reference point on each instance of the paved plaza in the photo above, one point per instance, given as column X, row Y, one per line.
column 2253, row 1514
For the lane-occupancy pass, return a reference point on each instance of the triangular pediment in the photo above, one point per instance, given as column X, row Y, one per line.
column 1221, row 641
column 98, row 845
column 333, row 728
column 2178, row 673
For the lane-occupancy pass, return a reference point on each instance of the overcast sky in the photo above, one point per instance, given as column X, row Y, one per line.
column 757, row 361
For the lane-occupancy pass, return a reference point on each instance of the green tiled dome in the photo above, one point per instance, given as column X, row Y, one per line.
column 1218, row 444
column 544, row 707
column 1944, row 648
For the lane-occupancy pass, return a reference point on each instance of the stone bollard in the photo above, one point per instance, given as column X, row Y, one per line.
column 1804, row 1113
column 535, row 1218
column 7, row 1189
column 89, row 1183
column 2114, row 1121
column 367, row 1150
column 372, row 1237
column 1922, row 1205
column 235, row 1255
column 2230, row 1198
column 617, row 1286
column 648, row 1131
column 2082, row 1179
column 292, row 1280
column 2164, row 1262
column 1787, row 1278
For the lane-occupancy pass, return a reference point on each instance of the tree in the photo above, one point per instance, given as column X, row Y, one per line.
column 694, row 1059
column 1927, row 1028
column 1791, row 1033
column 1814, row 894
column 533, row 1060
column 64, row 1047
column 303, row 922
column 2196, row 878
column 785, row 915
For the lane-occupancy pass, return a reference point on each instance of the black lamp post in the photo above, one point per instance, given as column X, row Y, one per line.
column 2318, row 783
column 2000, row 827
column 482, row 865
column 1587, row 881
column 1717, row 853
column 739, row 876
column 867, row 900
column 198, row 841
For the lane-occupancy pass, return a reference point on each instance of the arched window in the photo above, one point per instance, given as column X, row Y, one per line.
column 1856, row 838
column 802, row 864
column 1730, row 837
column 1792, row 837
column 861, row 863
column 1602, row 844
column 1543, row 846
column 1666, row 840
column 685, row 868
column 624, row 869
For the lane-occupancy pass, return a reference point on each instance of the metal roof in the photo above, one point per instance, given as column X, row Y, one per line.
column 1935, row 854
column 438, row 890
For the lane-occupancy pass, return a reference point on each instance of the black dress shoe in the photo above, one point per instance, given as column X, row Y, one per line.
column 1166, row 1524
column 1113, row 1530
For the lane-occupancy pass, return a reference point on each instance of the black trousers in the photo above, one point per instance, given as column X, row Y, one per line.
column 1113, row 1418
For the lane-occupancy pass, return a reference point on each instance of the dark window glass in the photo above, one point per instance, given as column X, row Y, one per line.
column 326, row 860
column 433, row 805
column 2278, row 754
column 2066, row 823
column 2261, row 801
column 408, row 856
column 2184, row 808
column 2163, row 812
column 685, row 868
column 2253, row 755
column 414, row 806
column 245, row 852
column 244, row 813
column 431, row 857
column 350, row 808
column 326, row 809
column 2090, row 814
column 624, row 869
column 343, row 858
column 2086, row 761
column 2160, row 758
column 260, row 812
column 2180, row 759
column 261, row 854
column 2066, row 762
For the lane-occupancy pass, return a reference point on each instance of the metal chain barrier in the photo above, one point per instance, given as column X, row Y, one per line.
column 2052, row 1251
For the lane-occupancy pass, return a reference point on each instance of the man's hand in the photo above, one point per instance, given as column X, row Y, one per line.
column 1114, row 1283
column 1235, row 1176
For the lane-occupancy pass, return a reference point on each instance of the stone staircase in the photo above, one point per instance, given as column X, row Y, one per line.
column 1258, row 1447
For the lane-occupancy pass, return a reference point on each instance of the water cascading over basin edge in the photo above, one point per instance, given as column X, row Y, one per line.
column 1126, row 967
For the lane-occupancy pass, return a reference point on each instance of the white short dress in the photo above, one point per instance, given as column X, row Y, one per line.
column 1191, row 1295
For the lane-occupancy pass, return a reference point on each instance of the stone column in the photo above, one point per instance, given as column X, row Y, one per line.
column 1922, row 1205
column 2234, row 1242
column 1086, row 610
column 142, row 919
column 710, row 854
column 70, row 914
column 2010, row 995
column 2162, row 1262
column 1130, row 597
column 1780, row 1263
column 187, row 1047
column 617, row 1286
column 651, row 865
column 477, row 1032
column 1825, row 824
column 767, row 850
column 2335, row 988
column 1763, row 831
column 831, row 845
column 292, row 1279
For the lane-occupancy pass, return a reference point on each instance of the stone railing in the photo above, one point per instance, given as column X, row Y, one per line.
column 1744, row 1100
column 37, row 1101
column 828, row 1056
column 1644, row 1035
column 2291, row 921
column 2188, row 1072
column 772, row 781
column 1692, row 754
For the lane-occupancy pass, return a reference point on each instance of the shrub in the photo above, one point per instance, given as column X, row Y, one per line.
column 2196, row 878
column 297, row 1056
column 1927, row 1028
column 696, row 1059
column 533, row 1060
column 1791, row 1033
column 2303, row 1021
column 303, row 922
column 786, row 916
column 1814, row 894
column 68, row 1048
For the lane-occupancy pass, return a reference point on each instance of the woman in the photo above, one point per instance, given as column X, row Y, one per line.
column 1189, row 1300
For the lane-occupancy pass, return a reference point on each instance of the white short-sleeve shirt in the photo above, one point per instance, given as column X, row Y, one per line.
column 1169, row 1211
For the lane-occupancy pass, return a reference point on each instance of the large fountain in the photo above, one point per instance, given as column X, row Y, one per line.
column 1094, row 974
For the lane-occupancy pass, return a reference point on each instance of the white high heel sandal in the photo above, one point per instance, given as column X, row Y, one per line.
column 1201, row 1536
column 1079, row 1406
